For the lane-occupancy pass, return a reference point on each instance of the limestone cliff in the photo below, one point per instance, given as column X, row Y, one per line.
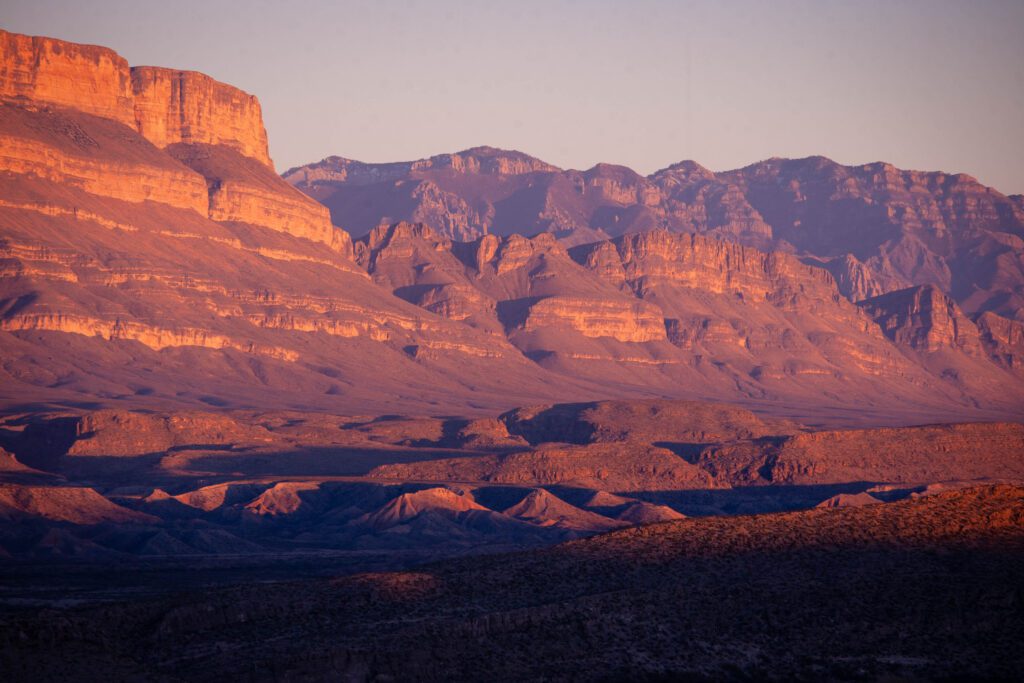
column 173, row 107
column 172, row 262
column 88, row 78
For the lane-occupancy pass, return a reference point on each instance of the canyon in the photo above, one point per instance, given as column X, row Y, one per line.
column 430, row 419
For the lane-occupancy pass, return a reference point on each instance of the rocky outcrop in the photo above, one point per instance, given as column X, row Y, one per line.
column 924, row 319
column 1003, row 338
column 854, row 279
column 67, row 148
column 91, row 79
column 623, row 321
column 126, row 434
column 74, row 504
column 160, row 260
column 910, row 455
column 242, row 190
column 172, row 107
column 545, row 509
column 704, row 263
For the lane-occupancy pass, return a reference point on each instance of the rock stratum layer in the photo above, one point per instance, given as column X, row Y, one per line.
column 150, row 255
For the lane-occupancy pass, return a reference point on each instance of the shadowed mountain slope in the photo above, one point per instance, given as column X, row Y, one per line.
column 875, row 227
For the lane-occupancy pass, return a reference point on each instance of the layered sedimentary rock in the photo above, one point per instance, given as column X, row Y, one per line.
column 70, row 148
column 908, row 455
column 172, row 107
column 657, row 305
column 242, row 190
column 924, row 319
column 191, row 256
column 1003, row 338
column 647, row 461
column 875, row 227
column 91, row 79
column 190, row 272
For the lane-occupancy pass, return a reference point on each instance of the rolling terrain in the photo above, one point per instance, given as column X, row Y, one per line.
column 918, row 589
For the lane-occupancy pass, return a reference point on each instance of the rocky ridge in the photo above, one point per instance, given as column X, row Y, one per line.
column 875, row 227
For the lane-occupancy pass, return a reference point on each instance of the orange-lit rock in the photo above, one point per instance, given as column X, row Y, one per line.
column 245, row 191
column 69, row 148
column 91, row 79
column 624, row 321
column 173, row 107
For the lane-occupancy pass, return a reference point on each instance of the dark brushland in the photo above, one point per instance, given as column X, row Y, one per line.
column 478, row 417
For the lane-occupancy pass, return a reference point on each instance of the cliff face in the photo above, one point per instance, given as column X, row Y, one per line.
column 875, row 227
column 924, row 319
column 241, row 189
column 91, row 79
column 202, row 122
column 173, row 107
column 170, row 262
column 664, row 309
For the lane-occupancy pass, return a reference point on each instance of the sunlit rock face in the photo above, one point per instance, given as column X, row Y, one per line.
column 173, row 107
column 94, row 80
column 923, row 318
column 667, row 307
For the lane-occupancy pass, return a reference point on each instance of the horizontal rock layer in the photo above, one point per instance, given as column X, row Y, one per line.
column 92, row 79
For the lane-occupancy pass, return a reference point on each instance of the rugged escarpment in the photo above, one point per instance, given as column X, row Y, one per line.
column 662, row 305
column 923, row 318
column 241, row 190
column 875, row 227
column 169, row 262
column 201, row 122
column 646, row 461
column 161, row 259
column 88, row 78
column 172, row 107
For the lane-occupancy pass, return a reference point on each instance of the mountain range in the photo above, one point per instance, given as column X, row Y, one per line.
column 153, row 258
column 757, row 424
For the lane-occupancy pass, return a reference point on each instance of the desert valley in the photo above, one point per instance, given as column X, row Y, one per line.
column 478, row 417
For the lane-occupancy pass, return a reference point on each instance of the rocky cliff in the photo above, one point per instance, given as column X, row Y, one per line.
column 875, row 227
column 164, row 258
column 173, row 107
column 91, row 79
column 924, row 319
column 666, row 310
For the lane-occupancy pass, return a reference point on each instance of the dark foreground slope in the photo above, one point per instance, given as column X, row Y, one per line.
column 925, row 588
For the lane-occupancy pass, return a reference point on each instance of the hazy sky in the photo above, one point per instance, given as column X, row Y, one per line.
column 926, row 85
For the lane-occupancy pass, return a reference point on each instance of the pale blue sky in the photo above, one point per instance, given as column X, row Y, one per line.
column 923, row 84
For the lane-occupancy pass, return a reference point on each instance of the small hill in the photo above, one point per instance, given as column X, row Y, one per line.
column 543, row 508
